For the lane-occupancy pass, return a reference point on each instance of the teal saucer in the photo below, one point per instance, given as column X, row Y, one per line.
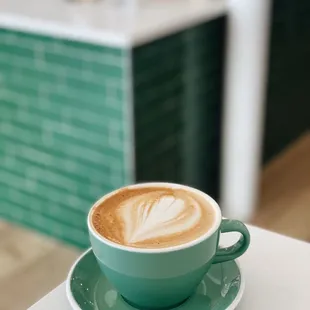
column 88, row 289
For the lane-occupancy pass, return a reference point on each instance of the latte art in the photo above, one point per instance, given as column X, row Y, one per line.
column 155, row 215
column 152, row 217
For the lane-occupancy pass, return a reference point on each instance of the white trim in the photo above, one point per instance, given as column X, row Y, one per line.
column 75, row 305
column 210, row 232
column 118, row 24
column 243, row 120
column 46, row 28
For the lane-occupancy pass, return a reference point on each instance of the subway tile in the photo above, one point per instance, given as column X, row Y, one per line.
column 176, row 103
column 62, row 130
column 65, row 117
column 45, row 207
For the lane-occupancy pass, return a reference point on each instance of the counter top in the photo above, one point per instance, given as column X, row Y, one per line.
column 276, row 270
column 112, row 22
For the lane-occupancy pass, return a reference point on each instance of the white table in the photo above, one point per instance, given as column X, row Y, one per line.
column 276, row 269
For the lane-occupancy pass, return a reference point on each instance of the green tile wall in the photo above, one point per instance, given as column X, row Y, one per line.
column 177, row 95
column 66, row 128
column 204, row 65
column 158, row 94
column 63, row 131
column 288, row 95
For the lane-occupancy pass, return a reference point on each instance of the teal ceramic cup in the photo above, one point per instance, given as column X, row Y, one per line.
column 164, row 278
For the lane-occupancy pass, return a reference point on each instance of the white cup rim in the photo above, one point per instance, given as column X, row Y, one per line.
column 210, row 232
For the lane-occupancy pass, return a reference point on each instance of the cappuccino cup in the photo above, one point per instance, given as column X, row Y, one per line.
column 155, row 241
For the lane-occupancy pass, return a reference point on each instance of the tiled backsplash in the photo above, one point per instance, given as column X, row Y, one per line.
column 158, row 88
column 204, row 55
column 177, row 88
column 63, row 127
column 66, row 121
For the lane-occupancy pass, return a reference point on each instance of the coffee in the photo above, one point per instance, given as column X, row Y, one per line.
column 153, row 217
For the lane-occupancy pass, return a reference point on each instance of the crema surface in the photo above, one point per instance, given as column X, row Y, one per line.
column 153, row 217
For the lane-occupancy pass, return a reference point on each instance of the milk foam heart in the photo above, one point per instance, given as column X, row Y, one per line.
column 149, row 217
column 153, row 217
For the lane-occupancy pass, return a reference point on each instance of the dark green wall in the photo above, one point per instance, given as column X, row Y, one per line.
column 177, row 96
column 288, row 95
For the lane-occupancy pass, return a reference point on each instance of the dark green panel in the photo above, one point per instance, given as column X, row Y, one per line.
column 177, row 96
column 288, row 95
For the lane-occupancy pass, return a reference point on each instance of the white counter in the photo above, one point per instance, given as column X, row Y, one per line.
column 276, row 269
column 111, row 22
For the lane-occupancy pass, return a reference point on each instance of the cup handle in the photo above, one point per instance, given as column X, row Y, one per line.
column 237, row 249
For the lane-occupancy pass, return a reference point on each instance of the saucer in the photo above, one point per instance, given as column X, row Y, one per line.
column 88, row 289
